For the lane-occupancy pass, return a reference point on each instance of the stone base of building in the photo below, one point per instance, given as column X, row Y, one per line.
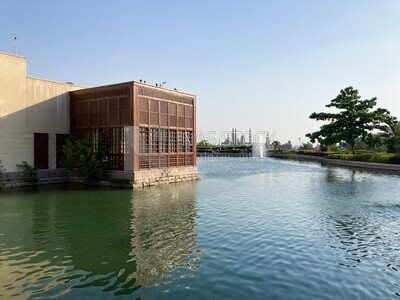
column 151, row 177
column 46, row 176
column 129, row 179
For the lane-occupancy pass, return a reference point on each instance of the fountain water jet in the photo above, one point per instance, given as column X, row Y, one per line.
column 259, row 148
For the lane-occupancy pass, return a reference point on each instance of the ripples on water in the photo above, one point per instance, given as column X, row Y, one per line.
column 251, row 228
column 96, row 243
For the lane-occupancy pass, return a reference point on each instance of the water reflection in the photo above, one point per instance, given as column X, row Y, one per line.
column 338, row 174
column 63, row 242
column 357, row 236
column 359, row 220
column 164, row 233
column 275, row 230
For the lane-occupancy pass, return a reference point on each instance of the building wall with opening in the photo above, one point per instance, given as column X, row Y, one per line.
column 146, row 127
column 166, row 125
column 107, row 112
column 33, row 115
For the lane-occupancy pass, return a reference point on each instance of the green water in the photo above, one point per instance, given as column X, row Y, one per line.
column 69, row 241
column 251, row 228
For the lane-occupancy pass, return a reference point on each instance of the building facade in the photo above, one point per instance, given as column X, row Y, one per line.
column 150, row 131
column 34, row 116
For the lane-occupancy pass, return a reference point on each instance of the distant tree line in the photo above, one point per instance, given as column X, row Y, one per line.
column 205, row 147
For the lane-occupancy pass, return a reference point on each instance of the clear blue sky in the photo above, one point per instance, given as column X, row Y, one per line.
column 260, row 64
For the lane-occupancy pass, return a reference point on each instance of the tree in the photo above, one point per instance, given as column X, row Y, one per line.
column 393, row 141
column 355, row 119
column 374, row 141
column 276, row 145
column 205, row 146
column 30, row 172
column 87, row 157
column 204, row 143
column 306, row 146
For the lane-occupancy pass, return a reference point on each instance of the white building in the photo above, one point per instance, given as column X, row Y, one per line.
column 34, row 114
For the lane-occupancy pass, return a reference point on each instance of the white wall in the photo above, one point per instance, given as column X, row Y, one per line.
column 29, row 105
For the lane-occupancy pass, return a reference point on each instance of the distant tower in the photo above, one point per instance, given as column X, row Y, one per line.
column 242, row 140
column 236, row 139
column 250, row 137
column 267, row 141
column 233, row 136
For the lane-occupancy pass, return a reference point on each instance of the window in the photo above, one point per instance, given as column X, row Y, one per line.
column 154, row 140
column 172, row 141
column 114, row 140
column 181, row 141
column 143, row 140
column 189, row 141
column 125, row 142
column 164, row 140
column 95, row 139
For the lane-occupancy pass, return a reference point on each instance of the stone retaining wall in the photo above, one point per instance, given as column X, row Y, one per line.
column 46, row 176
column 130, row 179
column 378, row 167
column 150, row 177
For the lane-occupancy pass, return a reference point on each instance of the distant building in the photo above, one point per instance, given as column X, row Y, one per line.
column 250, row 137
column 242, row 140
column 233, row 140
column 286, row 146
column 226, row 142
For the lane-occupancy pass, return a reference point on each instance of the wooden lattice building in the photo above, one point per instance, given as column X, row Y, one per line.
column 150, row 131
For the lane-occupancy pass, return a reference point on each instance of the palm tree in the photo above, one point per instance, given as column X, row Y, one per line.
column 393, row 141
column 390, row 132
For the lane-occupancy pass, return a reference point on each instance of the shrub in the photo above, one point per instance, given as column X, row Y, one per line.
column 30, row 172
column 334, row 156
column 374, row 157
column 310, row 152
column 306, row 146
column 329, row 148
column 87, row 157
column 380, row 157
column 360, row 156
column 394, row 160
column 2, row 176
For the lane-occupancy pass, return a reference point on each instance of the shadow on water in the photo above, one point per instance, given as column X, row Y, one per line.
column 72, row 242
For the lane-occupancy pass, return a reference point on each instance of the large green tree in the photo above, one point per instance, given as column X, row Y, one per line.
column 354, row 118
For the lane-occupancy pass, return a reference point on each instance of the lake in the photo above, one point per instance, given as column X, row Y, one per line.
column 250, row 229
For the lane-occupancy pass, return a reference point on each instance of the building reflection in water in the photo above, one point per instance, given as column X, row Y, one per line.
column 164, row 237
column 112, row 241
